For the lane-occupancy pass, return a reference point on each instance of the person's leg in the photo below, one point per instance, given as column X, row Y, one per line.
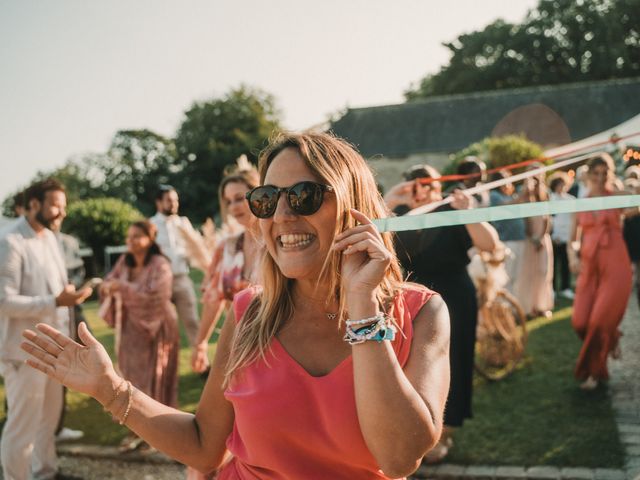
column 565, row 274
column 637, row 274
column 45, row 461
column 513, row 264
column 557, row 265
column 25, row 390
column 62, row 411
column 184, row 298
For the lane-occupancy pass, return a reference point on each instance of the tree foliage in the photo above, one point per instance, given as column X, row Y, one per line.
column 99, row 222
column 559, row 41
column 213, row 134
column 135, row 164
column 497, row 152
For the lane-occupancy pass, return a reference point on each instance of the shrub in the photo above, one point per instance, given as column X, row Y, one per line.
column 99, row 222
column 497, row 152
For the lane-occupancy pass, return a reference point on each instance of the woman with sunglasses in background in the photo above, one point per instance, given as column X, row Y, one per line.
column 334, row 369
column 437, row 258
column 234, row 265
column 599, row 255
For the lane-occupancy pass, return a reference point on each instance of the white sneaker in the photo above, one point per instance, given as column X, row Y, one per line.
column 568, row 293
column 69, row 434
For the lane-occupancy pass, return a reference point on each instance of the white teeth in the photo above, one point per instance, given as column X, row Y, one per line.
column 295, row 240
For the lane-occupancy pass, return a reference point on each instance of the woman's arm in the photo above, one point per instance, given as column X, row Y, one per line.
column 195, row 440
column 412, row 399
column 482, row 234
column 400, row 417
column 573, row 246
column 211, row 312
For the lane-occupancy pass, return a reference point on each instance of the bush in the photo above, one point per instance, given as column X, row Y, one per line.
column 497, row 152
column 99, row 222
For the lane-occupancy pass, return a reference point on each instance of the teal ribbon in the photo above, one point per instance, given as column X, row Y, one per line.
column 503, row 212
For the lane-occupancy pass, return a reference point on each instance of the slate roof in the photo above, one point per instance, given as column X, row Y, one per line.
column 451, row 122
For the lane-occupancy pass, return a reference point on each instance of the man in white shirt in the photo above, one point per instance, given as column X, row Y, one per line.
column 33, row 289
column 561, row 233
column 172, row 244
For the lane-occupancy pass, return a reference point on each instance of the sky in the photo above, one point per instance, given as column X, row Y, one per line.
column 73, row 72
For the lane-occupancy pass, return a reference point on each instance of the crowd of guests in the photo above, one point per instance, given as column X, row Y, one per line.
column 322, row 333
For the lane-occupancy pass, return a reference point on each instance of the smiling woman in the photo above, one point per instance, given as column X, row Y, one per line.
column 334, row 368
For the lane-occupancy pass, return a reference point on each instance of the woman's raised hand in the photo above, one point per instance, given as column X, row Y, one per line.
column 85, row 368
column 401, row 194
column 366, row 257
column 462, row 200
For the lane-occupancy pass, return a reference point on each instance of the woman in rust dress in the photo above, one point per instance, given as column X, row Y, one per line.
column 604, row 280
column 136, row 301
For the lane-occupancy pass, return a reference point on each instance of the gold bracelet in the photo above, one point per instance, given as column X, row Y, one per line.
column 129, row 402
column 115, row 396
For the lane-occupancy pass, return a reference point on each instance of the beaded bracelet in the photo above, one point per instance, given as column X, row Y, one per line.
column 129, row 402
column 375, row 318
column 116, row 393
column 378, row 331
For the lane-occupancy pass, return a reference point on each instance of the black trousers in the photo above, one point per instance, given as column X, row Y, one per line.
column 561, row 275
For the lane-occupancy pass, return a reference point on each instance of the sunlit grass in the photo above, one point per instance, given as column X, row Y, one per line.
column 538, row 415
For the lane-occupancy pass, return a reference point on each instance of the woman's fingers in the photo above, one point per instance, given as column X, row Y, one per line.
column 360, row 217
column 46, row 369
column 85, row 335
column 46, row 345
column 354, row 238
column 357, row 229
column 54, row 334
column 44, row 357
column 371, row 247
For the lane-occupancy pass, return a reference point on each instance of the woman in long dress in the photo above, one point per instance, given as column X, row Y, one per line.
column 604, row 280
column 136, row 301
column 534, row 287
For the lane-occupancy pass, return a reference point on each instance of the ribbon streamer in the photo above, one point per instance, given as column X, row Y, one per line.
column 503, row 212
column 498, row 183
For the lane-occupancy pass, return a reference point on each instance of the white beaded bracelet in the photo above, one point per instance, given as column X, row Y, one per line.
column 375, row 318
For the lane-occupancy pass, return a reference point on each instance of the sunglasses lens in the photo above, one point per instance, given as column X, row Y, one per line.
column 305, row 198
column 263, row 201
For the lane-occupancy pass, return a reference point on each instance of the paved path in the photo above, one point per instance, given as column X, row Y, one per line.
column 625, row 389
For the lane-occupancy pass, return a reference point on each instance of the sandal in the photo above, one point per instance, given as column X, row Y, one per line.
column 589, row 384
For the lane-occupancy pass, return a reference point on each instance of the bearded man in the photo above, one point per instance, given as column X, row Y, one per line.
column 33, row 289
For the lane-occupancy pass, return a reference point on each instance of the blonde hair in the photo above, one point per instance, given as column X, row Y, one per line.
column 336, row 163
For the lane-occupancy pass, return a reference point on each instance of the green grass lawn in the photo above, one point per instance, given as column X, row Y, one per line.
column 538, row 415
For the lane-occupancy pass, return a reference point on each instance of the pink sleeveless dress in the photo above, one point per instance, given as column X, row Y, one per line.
column 291, row 425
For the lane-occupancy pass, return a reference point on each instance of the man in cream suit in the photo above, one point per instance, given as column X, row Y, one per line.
column 171, row 242
column 33, row 289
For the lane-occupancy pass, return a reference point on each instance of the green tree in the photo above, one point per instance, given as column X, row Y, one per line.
column 213, row 134
column 497, row 152
column 99, row 222
column 136, row 162
column 559, row 41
